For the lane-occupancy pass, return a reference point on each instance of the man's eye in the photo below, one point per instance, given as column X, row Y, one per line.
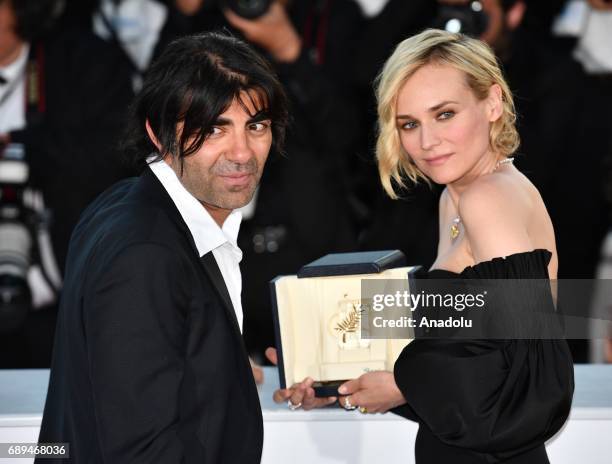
column 259, row 126
column 446, row 115
column 214, row 131
column 409, row 125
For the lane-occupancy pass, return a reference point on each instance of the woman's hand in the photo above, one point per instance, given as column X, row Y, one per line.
column 372, row 392
column 300, row 395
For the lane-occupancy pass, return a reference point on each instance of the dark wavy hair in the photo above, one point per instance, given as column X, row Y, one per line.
column 195, row 79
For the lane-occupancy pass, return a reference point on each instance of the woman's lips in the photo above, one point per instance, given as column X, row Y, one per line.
column 437, row 160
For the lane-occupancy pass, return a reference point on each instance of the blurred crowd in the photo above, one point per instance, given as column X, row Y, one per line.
column 70, row 68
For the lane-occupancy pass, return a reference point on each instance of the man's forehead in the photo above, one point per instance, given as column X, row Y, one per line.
column 246, row 105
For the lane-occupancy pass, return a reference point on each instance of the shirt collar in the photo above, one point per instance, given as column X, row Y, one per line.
column 16, row 68
column 206, row 233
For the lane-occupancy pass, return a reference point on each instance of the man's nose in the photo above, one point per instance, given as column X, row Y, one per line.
column 429, row 137
column 240, row 150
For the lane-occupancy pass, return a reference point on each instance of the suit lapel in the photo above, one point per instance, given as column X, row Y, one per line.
column 214, row 273
column 153, row 188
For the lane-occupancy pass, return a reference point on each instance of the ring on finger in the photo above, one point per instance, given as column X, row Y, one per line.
column 347, row 404
column 363, row 410
column 292, row 406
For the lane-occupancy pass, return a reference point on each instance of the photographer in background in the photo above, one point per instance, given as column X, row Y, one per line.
column 62, row 99
column 594, row 54
column 302, row 208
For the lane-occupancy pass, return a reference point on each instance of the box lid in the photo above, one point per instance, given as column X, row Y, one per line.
column 363, row 262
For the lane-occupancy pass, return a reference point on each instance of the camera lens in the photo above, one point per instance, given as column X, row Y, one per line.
column 468, row 19
column 15, row 297
column 249, row 9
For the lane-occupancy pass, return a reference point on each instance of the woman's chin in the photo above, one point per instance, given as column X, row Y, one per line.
column 441, row 178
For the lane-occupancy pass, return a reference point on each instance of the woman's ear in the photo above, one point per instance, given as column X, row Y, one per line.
column 152, row 135
column 495, row 103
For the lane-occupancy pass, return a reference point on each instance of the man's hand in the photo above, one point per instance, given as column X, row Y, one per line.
column 5, row 139
column 300, row 393
column 258, row 373
column 374, row 391
column 601, row 4
column 273, row 31
column 188, row 7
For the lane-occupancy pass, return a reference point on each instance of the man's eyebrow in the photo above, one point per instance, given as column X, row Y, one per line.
column 431, row 110
column 222, row 122
column 261, row 115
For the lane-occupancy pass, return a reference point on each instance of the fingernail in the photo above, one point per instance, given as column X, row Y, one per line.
column 342, row 390
column 332, row 399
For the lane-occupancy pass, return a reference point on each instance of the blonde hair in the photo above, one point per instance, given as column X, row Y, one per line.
column 475, row 59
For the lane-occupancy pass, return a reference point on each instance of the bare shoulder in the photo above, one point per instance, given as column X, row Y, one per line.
column 498, row 194
column 495, row 210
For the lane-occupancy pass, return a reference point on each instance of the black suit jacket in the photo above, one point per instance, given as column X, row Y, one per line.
column 149, row 365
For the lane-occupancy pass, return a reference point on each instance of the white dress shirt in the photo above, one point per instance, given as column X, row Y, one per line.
column 591, row 50
column 207, row 234
column 12, row 94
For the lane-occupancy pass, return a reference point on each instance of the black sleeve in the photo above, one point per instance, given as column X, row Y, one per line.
column 134, row 315
column 499, row 397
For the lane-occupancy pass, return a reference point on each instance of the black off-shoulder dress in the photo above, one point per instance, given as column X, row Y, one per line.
column 487, row 401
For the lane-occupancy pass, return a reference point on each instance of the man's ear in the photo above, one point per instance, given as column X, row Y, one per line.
column 152, row 135
column 495, row 103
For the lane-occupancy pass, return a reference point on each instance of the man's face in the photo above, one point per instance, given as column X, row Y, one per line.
column 225, row 171
column 10, row 42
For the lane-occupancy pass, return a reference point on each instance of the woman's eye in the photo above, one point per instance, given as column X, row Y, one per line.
column 446, row 115
column 409, row 125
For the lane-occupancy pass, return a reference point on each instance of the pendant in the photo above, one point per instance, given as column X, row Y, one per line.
column 454, row 228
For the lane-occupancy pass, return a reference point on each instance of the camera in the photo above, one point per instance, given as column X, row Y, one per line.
column 29, row 277
column 248, row 9
column 469, row 19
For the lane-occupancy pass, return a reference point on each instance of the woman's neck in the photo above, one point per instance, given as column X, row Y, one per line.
column 485, row 165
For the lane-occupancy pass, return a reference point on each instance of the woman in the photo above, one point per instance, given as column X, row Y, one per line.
column 446, row 115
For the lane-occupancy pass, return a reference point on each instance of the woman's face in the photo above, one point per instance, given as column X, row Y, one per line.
column 442, row 126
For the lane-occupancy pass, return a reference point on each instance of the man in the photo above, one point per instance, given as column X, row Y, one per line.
column 149, row 364
column 63, row 98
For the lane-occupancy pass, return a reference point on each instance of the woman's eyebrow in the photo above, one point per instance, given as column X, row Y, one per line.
column 431, row 110
column 440, row 105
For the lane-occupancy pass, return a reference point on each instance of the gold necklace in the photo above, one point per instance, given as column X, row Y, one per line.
column 454, row 228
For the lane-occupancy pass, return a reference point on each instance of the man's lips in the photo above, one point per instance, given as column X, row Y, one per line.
column 237, row 179
column 437, row 160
